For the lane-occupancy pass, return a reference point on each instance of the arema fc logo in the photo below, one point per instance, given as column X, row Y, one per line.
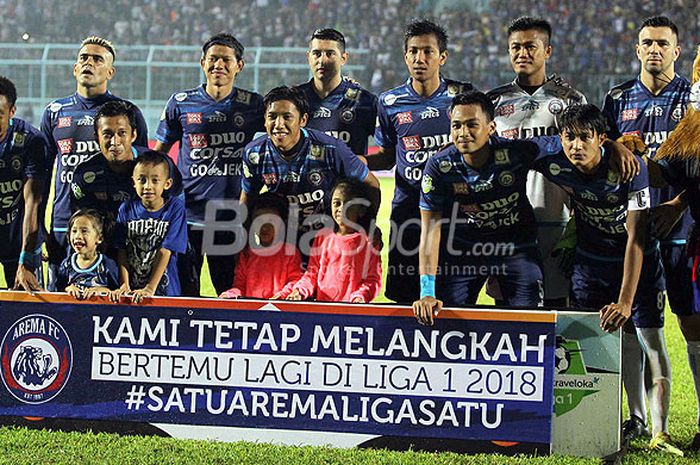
column 37, row 357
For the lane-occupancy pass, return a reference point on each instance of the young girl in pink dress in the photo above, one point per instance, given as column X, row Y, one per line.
column 344, row 265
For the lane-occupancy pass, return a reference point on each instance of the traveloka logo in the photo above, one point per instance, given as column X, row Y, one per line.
column 571, row 379
column 37, row 358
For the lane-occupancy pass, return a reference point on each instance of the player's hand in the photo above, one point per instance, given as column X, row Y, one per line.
column 294, row 295
column 26, row 279
column 426, row 308
column 121, row 291
column 75, row 291
column 358, row 300
column 138, row 295
column 614, row 315
column 624, row 162
column 90, row 292
column 664, row 217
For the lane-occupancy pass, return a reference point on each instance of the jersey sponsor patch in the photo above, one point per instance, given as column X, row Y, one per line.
column 556, row 106
column 460, row 188
column 65, row 122
column 194, row 118
column 65, row 145
column 404, row 118
column 505, row 110
column 629, row 115
column 411, row 142
column 197, row 141
column 427, row 184
column 510, row 133
column 19, row 139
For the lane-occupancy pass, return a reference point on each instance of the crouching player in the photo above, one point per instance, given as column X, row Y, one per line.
column 617, row 266
column 479, row 183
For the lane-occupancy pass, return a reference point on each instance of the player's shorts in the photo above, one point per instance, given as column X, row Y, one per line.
column 596, row 282
column 519, row 277
column 403, row 277
column 678, row 269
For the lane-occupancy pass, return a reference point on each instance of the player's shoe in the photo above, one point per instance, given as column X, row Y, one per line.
column 695, row 445
column 662, row 442
column 634, row 428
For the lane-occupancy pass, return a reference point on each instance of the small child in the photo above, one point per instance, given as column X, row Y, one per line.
column 268, row 267
column 151, row 230
column 87, row 272
column 344, row 265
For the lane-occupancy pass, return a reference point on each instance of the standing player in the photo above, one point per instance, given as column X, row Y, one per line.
column 68, row 126
column 301, row 164
column 528, row 107
column 649, row 107
column 616, row 260
column 413, row 124
column 213, row 123
column 24, row 168
column 338, row 107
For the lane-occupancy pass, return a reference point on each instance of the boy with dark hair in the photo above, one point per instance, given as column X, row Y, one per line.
column 151, row 230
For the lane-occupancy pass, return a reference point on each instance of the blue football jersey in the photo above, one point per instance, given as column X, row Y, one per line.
column 142, row 233
column 23, row 154
column 416, row 127
column 212, row 136
column 103, row 273
column 601, row 202
column 67, row 123
column 486, row 204
column 631, row 108
column 307, row 179
column 349, row 113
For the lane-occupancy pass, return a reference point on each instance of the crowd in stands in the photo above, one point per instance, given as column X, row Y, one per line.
column 591, row 38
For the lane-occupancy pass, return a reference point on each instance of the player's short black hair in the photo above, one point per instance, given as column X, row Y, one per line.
column 583, row 117
column 292, row 94
column 272, row 201
column 8, row 89
column 425, row 27
column 528, row 23
column 659, row 21
column 104, row 43
column 115, row 108
column 154, row 158
column 475, row 98
column 328, row 33
column 227, row 40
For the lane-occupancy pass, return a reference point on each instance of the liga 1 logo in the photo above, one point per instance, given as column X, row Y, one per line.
column 37, row 358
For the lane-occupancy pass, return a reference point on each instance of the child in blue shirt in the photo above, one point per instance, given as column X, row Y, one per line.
column 151, row 230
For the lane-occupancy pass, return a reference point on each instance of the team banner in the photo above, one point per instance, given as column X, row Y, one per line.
column 476, row 375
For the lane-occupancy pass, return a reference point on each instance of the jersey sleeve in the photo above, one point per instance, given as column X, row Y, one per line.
column 141, row 128
column 169, row 128
column 176, row 237
column 611, row 117
column 348, row 165
column 251, row 182
column 47, row 129
column 384, row 132
column 639, row 197
column 539, row 148
column 37, row 164
column 433, row 192
column 119, row 234
column 62, row 274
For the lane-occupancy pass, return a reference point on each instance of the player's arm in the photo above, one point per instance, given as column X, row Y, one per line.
column 614, row 315
column 124, row 287
column 162, row 146
column 25, row 277
column 160, row 263
column 428, row 254
column 384, row 159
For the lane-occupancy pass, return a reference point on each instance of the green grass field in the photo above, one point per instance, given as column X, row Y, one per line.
column 20, row 446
